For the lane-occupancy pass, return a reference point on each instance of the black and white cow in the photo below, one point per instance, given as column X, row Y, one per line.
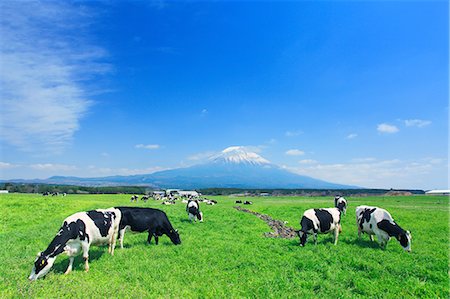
column 321, row 221
column 77, row 233
column 134, row 198
column 247, row 202
column 193, row 210
column 238, row 201
column 340, row 203
column 153, row 221
column 377, row 221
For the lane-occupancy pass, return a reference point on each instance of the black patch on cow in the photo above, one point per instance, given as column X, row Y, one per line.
column 366, row 214
column 193, row 210
column 370, row 226
column 68, row 231
column 325, row 219
column 102, row 220
column 307, row 225
column 341, row 206
column 393, row 230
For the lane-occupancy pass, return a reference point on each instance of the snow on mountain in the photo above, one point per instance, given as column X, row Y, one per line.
column 237, row 155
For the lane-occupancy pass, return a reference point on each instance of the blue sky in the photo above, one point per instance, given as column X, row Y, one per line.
column 350, row 92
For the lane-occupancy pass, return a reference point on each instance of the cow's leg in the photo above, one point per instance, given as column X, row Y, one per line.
column 156, row 239
column 121, row 235
column 85, row 247
column 149, row 238
column 336, row 235
column 371, row 237
column 69, row 268
column 112, row 243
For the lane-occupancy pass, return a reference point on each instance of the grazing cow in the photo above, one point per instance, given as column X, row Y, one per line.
column 55, row 194
column 77, row 233
column 45, row 193
column 248, row 202
column 145, row 198
column 168, row 202
column 193, row 210
column 321, row 221
column 134, row 198
column 377, row 221
column 340, row 203
column 238, row 201
column 153, row 221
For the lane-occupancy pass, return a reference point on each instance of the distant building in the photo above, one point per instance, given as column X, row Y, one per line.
column 264, row 194
column 438, row 192
column 4, row 191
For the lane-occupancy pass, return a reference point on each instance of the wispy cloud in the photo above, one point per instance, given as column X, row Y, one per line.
column 46, row 60
column 294, row 152
column 417, row 123
column 147, row 146
column 374, row 173
column 308, row 161
column 293, row 133
column 53, row 167
column 352, row 136
column 387, row 128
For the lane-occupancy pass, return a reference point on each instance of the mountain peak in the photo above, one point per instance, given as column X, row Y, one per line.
column 239, row 155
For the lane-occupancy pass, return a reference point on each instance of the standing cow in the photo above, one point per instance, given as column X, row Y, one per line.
column 321, row 221
column 193, row 210
column 340, row 203
column 77, row 233
column 153, row 221
column 377, row 221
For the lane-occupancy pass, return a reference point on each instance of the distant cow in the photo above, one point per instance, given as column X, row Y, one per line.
column 77, row 233
column 45, row 193
column 377, row 221
column 340, row 203
column 248, row 202
column 320, row 221
column 238, row 201
column 145, row 198
column 153, row 221
column 134, row 198
column 193, row 210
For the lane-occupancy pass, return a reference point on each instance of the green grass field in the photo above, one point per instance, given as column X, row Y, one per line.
column 227, row 255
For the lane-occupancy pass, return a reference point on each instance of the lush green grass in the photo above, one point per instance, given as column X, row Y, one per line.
column 227, row 255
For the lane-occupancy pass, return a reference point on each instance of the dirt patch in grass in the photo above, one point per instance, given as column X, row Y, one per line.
column 280, row 230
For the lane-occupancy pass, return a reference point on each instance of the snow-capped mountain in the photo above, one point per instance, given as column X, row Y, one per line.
column 237, row 155
column 234, row 167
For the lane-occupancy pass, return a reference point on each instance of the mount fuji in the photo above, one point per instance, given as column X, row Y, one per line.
column 234, row 167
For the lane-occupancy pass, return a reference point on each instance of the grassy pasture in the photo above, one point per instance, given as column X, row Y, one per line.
column 227, row 255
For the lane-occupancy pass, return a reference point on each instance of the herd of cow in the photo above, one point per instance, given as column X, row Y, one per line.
column 104, row 226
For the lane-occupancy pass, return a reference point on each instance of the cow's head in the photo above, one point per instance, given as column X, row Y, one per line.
column 174, row 236
column 303, row 236
column 42, row 265
column 405, row 240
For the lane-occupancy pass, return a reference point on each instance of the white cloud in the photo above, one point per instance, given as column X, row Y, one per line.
column 424, row 173
column 387, row 128
column 6, row 165
column 202, row 156
column 46, row 61
column 308, row 161
column 52, row 167
column 147, row 146
column 417, row 123
column 106, row 171
column 204, row 112
column 293, row 133
column 352, row 136
column 295, row 152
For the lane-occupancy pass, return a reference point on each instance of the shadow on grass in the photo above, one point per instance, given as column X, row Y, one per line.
column 366, row 243
column 61, row 265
